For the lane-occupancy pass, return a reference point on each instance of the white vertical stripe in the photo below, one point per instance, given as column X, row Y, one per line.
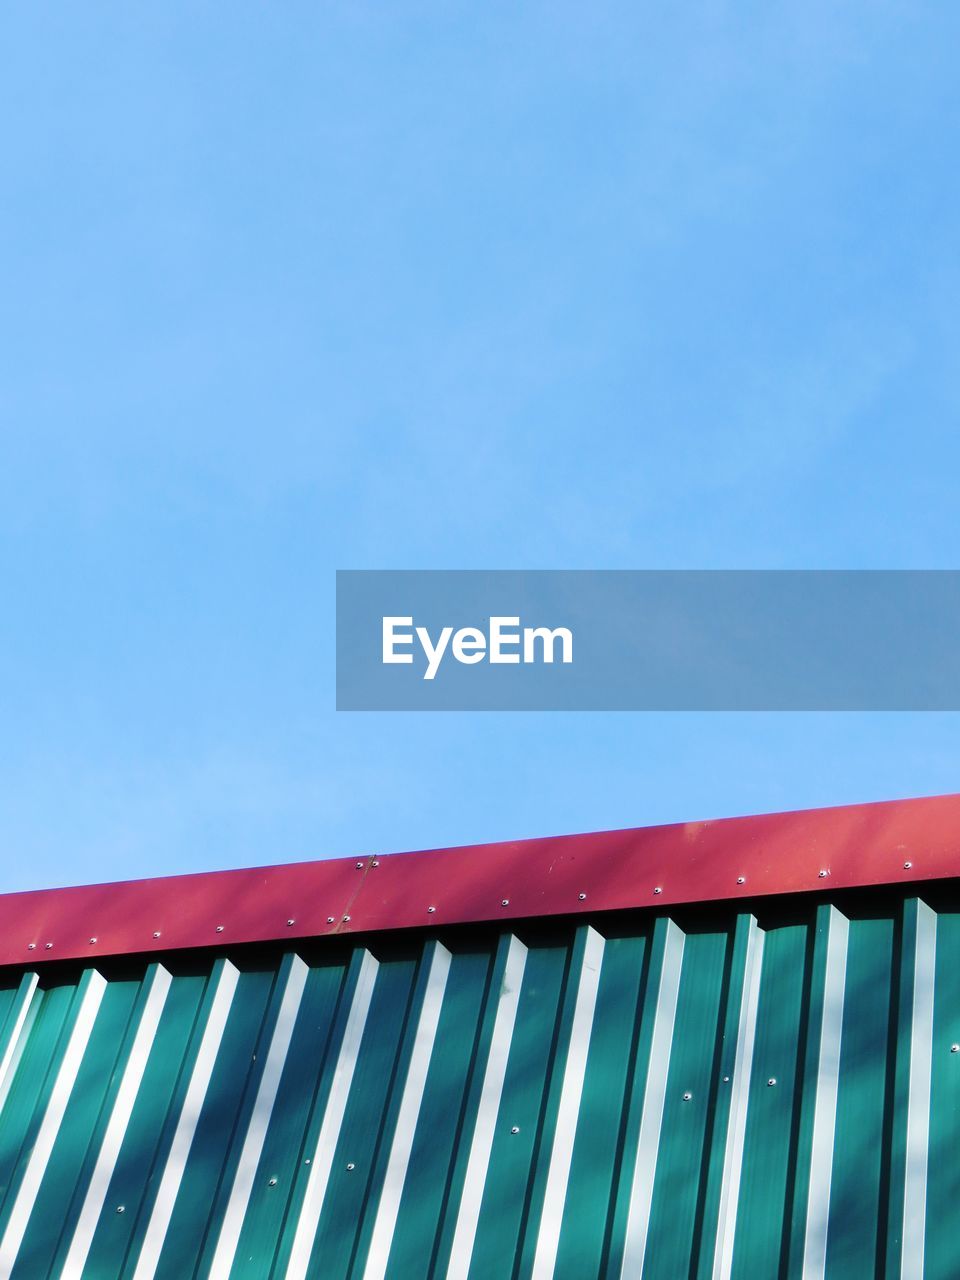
column 117, row 1125
column 332, row 1121
column 548, row 1238
column 918, row 1104
column 259, row 1121
column 13, row 1049
column 487, row 1111
column 825, row 1107
column 50, row 1124
column 187, row 1124
column 648, row 1145
column 408, row 1115
column 739, row 1095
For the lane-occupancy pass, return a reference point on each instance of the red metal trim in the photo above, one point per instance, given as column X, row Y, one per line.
column 894, row 842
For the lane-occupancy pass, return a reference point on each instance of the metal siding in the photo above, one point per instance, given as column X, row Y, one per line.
column 704, row 1094
column 943, row 1181
column 596, row 1159
column 689, row 1103
column 857, row 1201
column 521, row 1113
column 475, row 1141
column 436, row 1142
column 104, row 1147
column 767, row 1175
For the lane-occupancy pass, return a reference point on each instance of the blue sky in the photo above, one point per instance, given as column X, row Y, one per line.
column 292, row 288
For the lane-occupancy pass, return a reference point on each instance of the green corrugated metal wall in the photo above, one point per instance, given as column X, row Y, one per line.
column 708, row 1095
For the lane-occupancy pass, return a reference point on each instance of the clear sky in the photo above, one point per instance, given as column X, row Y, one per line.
column 287, row 288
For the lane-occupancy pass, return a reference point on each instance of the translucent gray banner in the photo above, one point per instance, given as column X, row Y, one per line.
column 648, row 640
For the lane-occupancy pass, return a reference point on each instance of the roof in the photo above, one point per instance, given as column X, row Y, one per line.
column 892, row 842
column 737, row 1079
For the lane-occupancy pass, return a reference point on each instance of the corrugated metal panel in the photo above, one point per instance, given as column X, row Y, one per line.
column 706, row 1094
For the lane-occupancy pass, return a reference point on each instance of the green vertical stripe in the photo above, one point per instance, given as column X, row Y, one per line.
column 857, row 1225
column 284, row 1154
column 206, row 1165
column 766, row 1177
column 666, row 944
column 59, row 1200
column 505, row 1202
column 130, row 1184
column 595, row 1154
column 681, row 1161
column 943, row 1176
column 31, row 1085
column 441, row 1119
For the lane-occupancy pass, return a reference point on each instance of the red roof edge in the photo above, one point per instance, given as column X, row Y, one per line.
column 891, row 842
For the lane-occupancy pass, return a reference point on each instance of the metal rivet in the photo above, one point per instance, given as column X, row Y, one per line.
column 687, row 1097
column 582, row 897
column 121, row 1208
column 504, row 902
column 290, row 922
column 771, row 1082
column 955, row 1048
column 823, row 874
column 346, row 919
column 92, row 941
column 350, row 1168
column 359, row 866
column 431, row 909
column 515, row 1128
column 271, row 1182
column 907, row 866
column 156, row 933
column 741, row 879
column 658, row 890
column 726, row 1079
column 375, row 862
column 48, row 946
column 31, row 946
column 307, row 1161
column 219, row 928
